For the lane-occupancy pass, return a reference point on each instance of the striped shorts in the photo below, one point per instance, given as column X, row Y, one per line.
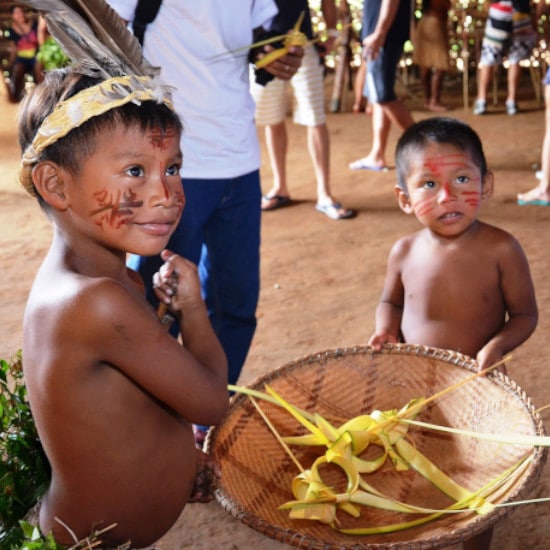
column 308, row 91
column 507, row 32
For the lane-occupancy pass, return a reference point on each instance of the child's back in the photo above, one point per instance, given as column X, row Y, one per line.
column 116, row 452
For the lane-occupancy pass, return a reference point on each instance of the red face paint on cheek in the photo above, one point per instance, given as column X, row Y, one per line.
column 472, row 198
column 423, row 207
column 179, row 199
column 115, row 209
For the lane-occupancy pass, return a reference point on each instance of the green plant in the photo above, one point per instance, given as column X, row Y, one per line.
column 51, row 55
column 35, row 541
column 24, row 469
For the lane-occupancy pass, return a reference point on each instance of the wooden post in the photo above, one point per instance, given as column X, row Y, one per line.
column 343, row 58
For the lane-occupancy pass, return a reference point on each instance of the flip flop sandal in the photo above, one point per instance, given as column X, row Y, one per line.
column 333, row 211
column 274, row 202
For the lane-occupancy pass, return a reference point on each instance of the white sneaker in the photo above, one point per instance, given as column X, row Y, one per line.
column 480, row 107
column 511, row 107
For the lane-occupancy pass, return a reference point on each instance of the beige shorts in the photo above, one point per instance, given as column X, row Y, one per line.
column 307, row 89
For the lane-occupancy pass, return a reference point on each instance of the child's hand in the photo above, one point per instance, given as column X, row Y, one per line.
column 177, row 283
column 488, row 356
column 208, row 472
column 378, row 340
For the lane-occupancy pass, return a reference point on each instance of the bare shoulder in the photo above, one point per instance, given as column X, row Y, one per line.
column 83, row 309
column 403, row 246
column 497, row 239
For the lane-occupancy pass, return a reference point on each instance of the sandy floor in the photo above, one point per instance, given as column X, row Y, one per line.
column 321, row 279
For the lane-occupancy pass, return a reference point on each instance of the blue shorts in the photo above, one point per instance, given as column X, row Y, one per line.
column 27, row 62
column 381, row 74
column 546, row 81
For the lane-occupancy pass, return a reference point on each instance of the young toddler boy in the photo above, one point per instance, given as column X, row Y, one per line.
column 113, row 395
column 458, row 283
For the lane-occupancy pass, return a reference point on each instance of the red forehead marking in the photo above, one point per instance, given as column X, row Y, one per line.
column 161, row 138
column 444, row 161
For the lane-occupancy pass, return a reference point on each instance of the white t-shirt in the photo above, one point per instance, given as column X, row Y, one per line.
column 211, row 93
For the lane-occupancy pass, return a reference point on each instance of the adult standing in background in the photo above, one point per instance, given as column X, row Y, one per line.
column 220, row 226
column 540, row 195
column 25, row 35
column 431, row 50
column 508, row 31
column 308, row 90
column 386, row 28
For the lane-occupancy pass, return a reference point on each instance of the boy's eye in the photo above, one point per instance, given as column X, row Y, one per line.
column 135, row 171
column 429, row 184
column 173, row 170
column 462, row 179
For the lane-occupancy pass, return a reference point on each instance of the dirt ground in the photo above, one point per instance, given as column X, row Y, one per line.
column 321, row 279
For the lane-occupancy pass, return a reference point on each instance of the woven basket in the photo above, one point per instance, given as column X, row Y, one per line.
column 256, row 473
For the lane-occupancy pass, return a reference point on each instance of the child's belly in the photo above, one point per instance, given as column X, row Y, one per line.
column 143, row 493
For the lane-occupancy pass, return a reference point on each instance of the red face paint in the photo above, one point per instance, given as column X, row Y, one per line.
column 424, row 207
column 115, row 209
column 161, row 139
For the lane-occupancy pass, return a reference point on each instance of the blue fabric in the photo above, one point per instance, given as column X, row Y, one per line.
column 400, row 27
column 220, row 232
column 289, row 11
column 381, row 74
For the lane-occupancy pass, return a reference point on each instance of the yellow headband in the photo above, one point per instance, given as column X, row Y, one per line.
column 86, row 104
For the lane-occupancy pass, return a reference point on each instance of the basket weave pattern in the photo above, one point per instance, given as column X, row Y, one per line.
column 343, row 383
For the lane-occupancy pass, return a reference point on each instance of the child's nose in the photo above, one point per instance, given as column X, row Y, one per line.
column 162, row 193
column 446, row 192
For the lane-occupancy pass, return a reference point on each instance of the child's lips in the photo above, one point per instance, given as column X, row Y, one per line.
column 158, row 228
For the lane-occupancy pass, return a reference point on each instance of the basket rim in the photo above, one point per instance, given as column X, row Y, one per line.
column 456, row 536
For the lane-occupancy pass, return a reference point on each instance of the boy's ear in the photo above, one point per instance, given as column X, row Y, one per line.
column 487, row 186
column 403, row 200
column 50, row 184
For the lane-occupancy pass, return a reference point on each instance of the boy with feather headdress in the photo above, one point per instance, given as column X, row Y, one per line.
column 113, row 395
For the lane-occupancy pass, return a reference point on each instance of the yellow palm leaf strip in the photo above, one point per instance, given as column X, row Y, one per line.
column 302, row 419
column 276, row 434
column 526, row 440
column 293, row 38
column 438, row 478
column 265, row 397
column 249, row 46
column 459, row 506
column 309, row 489
column 538, row 411
column 317, row 501
column 421, row 403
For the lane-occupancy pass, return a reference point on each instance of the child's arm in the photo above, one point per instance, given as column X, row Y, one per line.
column 177, row 285
column 390, row 309
column 112, row 325
column 521, row 307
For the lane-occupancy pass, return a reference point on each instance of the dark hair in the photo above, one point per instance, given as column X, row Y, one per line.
column 72, row 150
column 437, row 130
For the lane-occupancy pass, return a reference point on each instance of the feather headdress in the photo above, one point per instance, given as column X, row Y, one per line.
column 99, row 44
